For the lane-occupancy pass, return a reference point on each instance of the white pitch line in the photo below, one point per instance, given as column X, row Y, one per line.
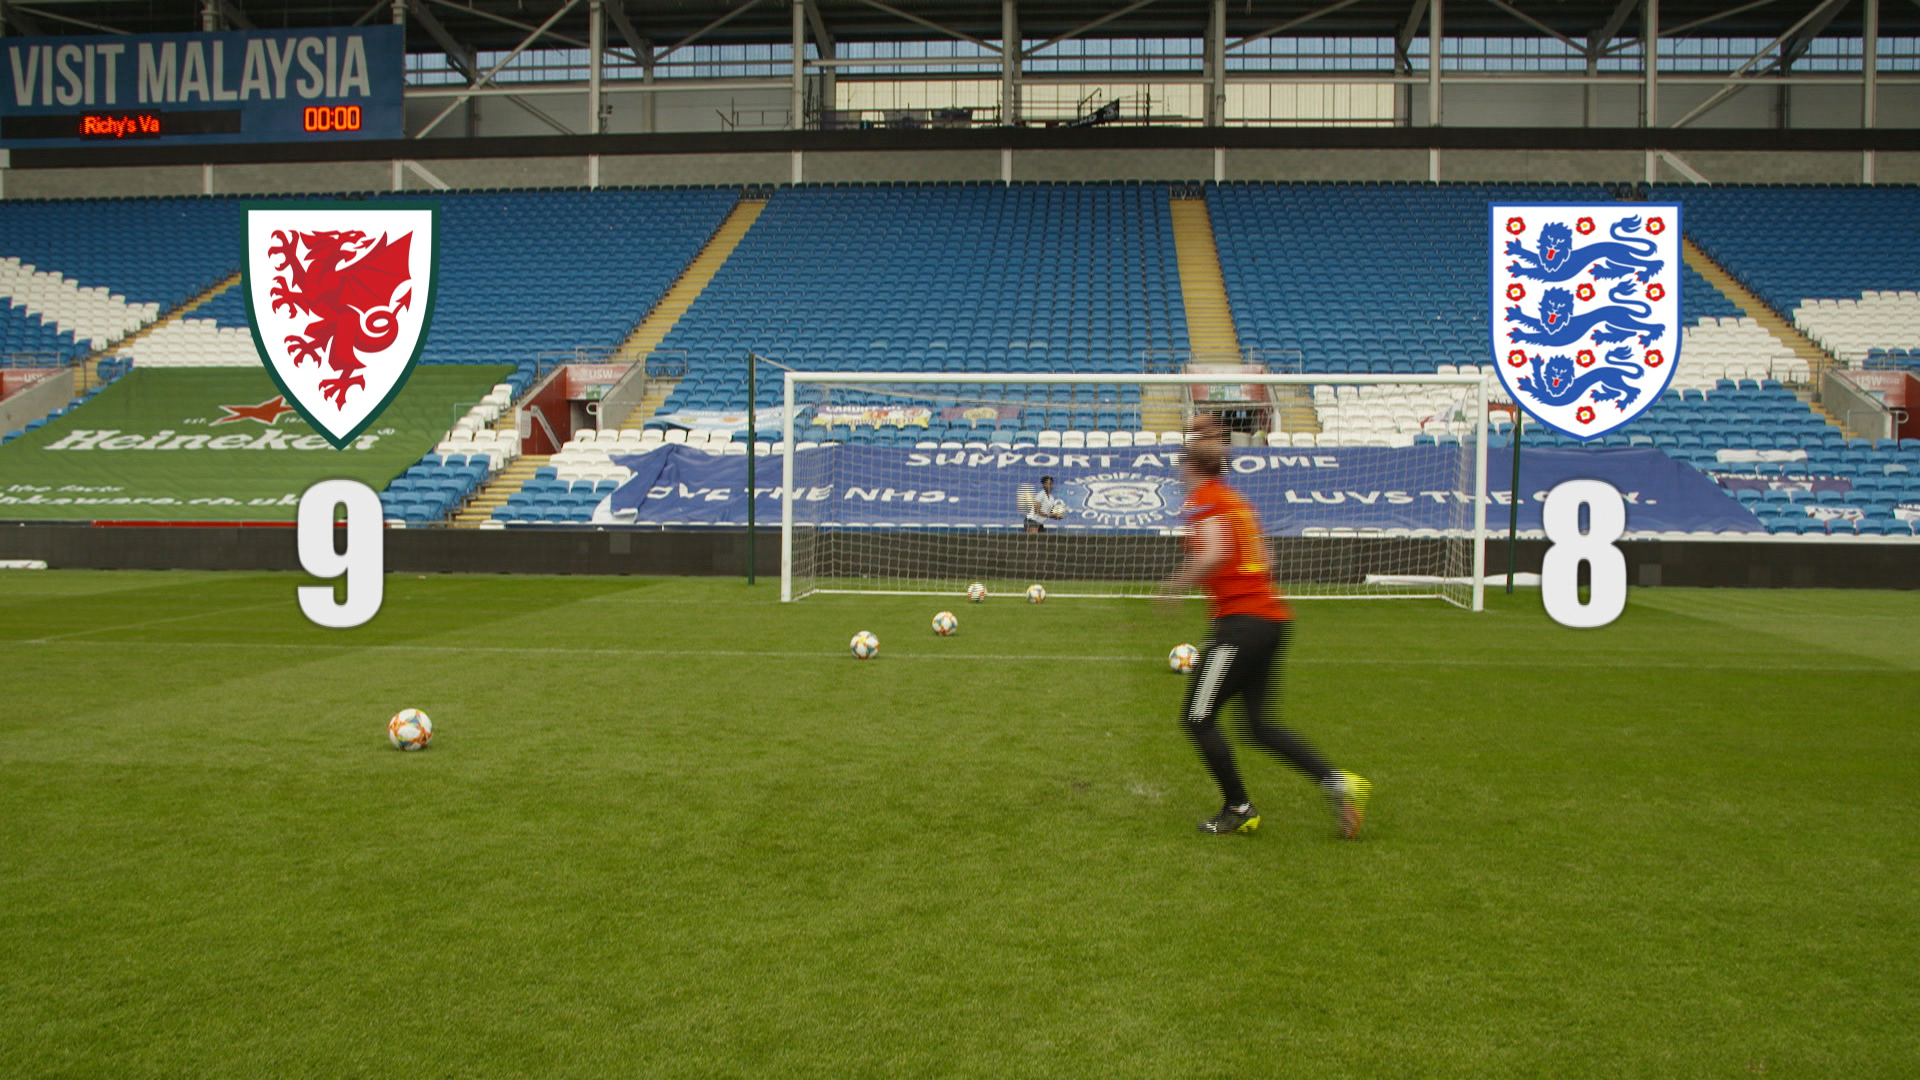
column 50, row 639
column 1327, row 661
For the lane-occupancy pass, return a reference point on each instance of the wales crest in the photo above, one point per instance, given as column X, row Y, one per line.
column 340, row 296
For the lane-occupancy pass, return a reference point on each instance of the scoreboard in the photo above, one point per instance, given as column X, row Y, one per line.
column 283, row 86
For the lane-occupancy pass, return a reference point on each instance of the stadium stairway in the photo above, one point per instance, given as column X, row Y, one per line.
column 89, row 371
column 1203, row 292
column 503, row 486
column 1210, row 327
column 645, row 338
column 1209, row 317
column 692, row 282
column 1783, row 331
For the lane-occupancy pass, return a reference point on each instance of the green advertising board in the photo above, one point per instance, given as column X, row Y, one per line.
column 216, row 444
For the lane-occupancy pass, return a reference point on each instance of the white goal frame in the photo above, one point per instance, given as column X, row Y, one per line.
column 1475, row 381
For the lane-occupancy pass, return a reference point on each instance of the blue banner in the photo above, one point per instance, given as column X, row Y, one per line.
column 1140, row 491
column 317, row 85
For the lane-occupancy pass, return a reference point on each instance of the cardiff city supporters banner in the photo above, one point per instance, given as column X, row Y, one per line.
column 873, row 415
column 1139, row 490
column 1807, row 483
column 215, row 444
column 725, row 420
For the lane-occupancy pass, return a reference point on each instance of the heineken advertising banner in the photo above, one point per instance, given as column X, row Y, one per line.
column 215, row 444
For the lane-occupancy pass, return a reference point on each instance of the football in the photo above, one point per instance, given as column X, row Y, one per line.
column 1181, row 658
column 945, row 624
column 1035, row 594
column 410, row 730
column 864, row 645
column 976, row 592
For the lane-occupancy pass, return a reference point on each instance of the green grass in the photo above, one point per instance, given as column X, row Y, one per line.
column 670, row 828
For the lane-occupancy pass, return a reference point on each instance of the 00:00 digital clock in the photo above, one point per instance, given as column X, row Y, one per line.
column 331, row 118
column 144, row 124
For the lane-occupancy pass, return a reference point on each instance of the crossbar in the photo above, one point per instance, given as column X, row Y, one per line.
column 1225, row 376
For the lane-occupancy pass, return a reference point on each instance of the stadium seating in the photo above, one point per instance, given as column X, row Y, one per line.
column 1819, row 255
column 574, row 482
column 160, row 252
column 1869, row 328
column 1906, row 359
column 81, row 274
column 1700, row 301
column 29, row 339
column 429, row 491
column 531, row 272
column 982, row 278
column 938, row 278
column 92, row 316
column 467, row 457
column 1389, row 415
column 521, row 273
column 215, row 334
column 1363, row 278
column 1733, row 347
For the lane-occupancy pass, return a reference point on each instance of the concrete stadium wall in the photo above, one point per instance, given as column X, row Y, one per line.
column 1650, row 563
column 36, row 401
column 1470, row 105
column 1606, row 166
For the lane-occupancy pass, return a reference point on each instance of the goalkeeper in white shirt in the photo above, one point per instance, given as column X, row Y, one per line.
column 1045, row 507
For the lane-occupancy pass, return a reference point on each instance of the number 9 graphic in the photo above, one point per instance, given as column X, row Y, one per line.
column 1560, row 570
column 363, row 562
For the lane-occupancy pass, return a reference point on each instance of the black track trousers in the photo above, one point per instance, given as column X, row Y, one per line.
column 1242, row 659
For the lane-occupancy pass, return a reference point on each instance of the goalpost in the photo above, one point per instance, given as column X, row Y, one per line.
column 921, row 482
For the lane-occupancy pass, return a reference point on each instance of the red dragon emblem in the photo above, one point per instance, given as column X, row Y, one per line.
column 353, row 306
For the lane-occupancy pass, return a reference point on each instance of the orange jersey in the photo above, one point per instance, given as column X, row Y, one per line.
column 1243, row 585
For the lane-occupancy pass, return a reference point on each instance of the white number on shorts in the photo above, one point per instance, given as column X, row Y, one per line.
column 1560, row 570
column 363, row 562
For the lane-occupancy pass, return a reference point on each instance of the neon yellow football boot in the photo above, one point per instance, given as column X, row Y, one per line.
column 1347, row 793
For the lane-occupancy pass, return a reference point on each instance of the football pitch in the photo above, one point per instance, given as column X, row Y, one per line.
column 670, row 828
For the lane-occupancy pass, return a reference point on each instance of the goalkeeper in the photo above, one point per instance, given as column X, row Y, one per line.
column 1045, row 507
column 1251, row 629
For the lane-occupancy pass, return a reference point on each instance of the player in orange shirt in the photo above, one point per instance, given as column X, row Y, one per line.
column 1227, row 555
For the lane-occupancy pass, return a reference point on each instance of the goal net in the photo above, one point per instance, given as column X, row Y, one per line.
column 915, row 482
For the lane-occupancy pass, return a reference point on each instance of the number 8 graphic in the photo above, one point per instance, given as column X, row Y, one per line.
column 1560, row 570
column 363, row 562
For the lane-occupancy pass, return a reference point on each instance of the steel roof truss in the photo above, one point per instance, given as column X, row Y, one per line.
column 1735, row 84
column 928, row 23
column 495, row 69
column 1084, row 27
column 1298, row 20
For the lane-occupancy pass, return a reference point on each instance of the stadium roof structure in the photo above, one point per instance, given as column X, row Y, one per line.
column 502, row 24
column 463, row 50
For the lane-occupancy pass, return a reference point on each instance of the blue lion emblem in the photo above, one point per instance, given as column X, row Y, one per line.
column 1558, row 327
column 1555, row 381
column 1558, row 260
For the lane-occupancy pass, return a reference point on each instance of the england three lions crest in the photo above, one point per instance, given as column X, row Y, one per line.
column 340, row 296
column 1585, row 309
